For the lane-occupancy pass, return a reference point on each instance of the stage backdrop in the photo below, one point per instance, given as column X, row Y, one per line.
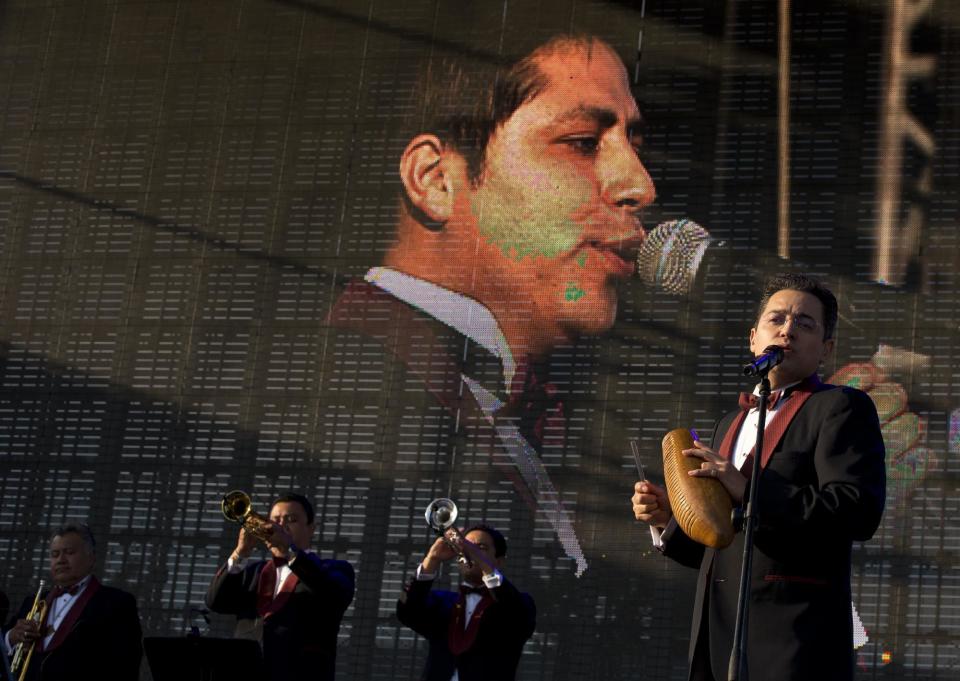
column 187, row 186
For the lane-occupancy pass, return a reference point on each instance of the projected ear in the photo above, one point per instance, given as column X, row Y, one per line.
column 427, row 185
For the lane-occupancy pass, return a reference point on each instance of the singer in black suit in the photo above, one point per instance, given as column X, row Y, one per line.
column 822, row 487
column 479, row 632
column 91, row 629
column 293, row 602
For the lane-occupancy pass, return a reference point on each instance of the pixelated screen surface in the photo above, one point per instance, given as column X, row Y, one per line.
column 282, row 245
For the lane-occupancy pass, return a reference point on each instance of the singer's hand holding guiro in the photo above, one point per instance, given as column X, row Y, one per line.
column 651, row 504
column 719, row 468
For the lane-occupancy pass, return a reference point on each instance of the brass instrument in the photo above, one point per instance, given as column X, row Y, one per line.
column 441, row 515
column 701, row 506
column 23, row 651
column 236, row 506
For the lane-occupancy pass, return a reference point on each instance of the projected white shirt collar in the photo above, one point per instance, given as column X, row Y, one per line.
column 457, row 311
column 473, row 320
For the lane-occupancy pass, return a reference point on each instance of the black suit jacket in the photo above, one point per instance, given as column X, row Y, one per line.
column 822, row 489
column 105, row 641
column 504, row 627
column 301, row 637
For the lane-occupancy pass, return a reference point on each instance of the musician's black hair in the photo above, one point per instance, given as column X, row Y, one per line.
column 298, row 498
column 463, row 100
column 80, row 529
column 804, row 284
column 499, row 541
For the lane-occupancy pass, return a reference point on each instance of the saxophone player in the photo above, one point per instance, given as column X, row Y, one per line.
column 88, row 627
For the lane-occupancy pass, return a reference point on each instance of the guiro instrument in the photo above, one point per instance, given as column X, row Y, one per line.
column 701, row 506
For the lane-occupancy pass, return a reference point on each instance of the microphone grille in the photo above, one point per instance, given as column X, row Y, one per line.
column 671, row 254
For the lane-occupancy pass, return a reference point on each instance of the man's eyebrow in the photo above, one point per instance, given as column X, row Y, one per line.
column 602, row 116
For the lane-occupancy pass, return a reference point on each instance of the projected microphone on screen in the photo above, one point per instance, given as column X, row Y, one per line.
column 671, row 255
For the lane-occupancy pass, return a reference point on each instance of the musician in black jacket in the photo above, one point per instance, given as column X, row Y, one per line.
column 90, row 629
column 478, row 633
column 293, row 602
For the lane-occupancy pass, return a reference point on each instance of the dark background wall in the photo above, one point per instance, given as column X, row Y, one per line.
column 186, row 185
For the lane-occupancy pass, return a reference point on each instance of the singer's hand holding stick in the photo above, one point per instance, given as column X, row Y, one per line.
column 715, row 466
column 651, row 504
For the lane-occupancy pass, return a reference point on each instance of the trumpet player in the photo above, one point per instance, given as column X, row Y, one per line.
column 292, row 601
column 88, row 627
column 478, row 633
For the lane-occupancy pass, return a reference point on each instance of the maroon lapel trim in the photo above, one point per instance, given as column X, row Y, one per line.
column 786, row 414
column 286, row 589
column 730, row 437
column 364, row 308
column 266, row 584
column 775, row 431
column 71, row 619
column 461, row 639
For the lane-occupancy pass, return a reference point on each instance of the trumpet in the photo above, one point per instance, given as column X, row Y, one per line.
column 23, row 651
column 441, row 515
column 237, row 507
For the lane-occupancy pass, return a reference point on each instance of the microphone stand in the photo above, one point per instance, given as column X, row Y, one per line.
column 746, row 517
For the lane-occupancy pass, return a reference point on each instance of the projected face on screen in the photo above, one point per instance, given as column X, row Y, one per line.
column 558, row 202
column 545, row 220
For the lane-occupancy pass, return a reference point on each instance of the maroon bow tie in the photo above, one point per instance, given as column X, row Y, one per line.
column 750, row 401
column 279, row 561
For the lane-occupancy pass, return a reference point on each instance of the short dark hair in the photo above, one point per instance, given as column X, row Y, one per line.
column 804, row 284
column 77, row 528
column 298, row 498
column 499, row 541
column 463, row 101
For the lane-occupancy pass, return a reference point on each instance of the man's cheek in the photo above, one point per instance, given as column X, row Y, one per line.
column 522, row 224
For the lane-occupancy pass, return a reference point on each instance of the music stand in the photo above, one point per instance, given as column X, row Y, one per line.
column 195, row 658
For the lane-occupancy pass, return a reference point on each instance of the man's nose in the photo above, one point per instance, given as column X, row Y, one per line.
column 789, row 327
column 626, row 182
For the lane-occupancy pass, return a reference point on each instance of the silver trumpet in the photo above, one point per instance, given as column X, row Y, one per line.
column 441, row 516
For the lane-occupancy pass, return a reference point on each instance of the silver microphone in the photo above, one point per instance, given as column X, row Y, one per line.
column 671, row 254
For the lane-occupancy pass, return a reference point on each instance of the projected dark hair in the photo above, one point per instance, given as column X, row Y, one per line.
column 463, row 101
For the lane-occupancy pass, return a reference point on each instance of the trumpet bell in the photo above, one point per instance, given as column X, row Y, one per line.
column 441, row 514
column 236, row 505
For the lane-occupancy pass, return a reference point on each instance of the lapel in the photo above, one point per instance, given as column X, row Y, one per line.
column 405, row 331
column 774, row 432
column 70, row 621
column 459, row 638
column 286, row 590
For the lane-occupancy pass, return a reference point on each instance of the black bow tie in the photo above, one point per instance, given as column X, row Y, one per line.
column 479, row 590
column 750, row 401
column 59, row 591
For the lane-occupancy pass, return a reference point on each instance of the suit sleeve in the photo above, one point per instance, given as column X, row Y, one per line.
column 521, row 605
column 846, row 500
column 127, row 640
column 333, row 580
column 422, row 610
column 233, row 594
